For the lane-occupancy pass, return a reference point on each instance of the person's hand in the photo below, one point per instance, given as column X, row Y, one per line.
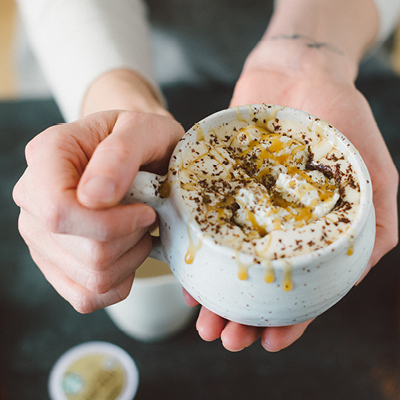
column 85, row 243
column 333, row 98
column 336, row 100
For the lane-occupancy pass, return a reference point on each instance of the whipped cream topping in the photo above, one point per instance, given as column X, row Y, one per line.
column 273, row 191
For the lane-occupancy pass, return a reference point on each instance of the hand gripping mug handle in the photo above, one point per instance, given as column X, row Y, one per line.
column 146, row 189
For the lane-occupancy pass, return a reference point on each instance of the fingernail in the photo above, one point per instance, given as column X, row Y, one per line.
column 267, row 346
column 146, row 218
column 100, row 188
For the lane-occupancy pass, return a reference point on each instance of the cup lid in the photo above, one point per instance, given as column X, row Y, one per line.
column 98, row 370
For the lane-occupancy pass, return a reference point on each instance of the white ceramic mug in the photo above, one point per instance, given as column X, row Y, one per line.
column 155, row 308
column 209, row 271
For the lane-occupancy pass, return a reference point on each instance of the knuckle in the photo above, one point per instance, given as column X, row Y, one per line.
column 118, row 149
column 122, row 294
column 59, row 217
column 99, row 256
column 48, row 139
column 18, row 194
column 30, row 150
column 82, row 304
column 105, row 232
column 33, row 146
column 99, row 282
column 52, row 217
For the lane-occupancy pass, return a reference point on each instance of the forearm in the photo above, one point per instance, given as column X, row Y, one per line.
column 325, row 35
column 76, row 42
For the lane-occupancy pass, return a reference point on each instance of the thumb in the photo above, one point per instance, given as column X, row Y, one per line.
column 136, row 139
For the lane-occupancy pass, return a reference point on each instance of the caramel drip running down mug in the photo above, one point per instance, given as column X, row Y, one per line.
column 240, row 287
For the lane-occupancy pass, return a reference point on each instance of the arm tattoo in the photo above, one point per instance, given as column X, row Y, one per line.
column 311, row 43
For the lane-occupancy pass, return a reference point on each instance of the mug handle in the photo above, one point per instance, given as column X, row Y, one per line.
column 146, row 189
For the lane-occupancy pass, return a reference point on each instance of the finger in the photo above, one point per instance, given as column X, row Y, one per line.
column 58, row 207
column 136, row 139
column 58, row 156
column 236, row 337
column 189, row 300
column 23, row 194
column 97, row 255
column 47, row 188
column 102, row 281
column 385, row 201
column 95, row 279
column 384, row 242
column 209, row 325
column 70, row 217
column 67, row 216
column 83, row 300
column 277, row 338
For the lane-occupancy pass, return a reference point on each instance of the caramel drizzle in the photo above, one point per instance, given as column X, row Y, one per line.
column 302, row 215
column 243, row 268
column 269, row 275
column 351, row 238
column 287, row 275
column 192, row 249
column 165, row 188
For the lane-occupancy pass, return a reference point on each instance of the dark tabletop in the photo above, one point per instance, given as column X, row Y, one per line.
column 350, row 352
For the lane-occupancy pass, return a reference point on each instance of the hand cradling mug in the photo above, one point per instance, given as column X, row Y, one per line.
column 266, row 214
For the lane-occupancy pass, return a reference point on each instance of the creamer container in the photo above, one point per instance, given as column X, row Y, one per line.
column 95, row 371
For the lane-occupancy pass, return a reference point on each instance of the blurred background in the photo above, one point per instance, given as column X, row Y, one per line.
column 351, row 352
column 7, row 29
column 9, row 34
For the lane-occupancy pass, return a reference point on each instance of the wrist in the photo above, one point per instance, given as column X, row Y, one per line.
column 312, row 36
column 297, row 58
column 348, row 25
column 122, row 90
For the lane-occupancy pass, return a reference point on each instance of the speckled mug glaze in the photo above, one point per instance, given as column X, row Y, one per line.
column 209, row 271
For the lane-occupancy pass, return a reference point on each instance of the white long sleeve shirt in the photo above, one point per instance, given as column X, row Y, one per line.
column 76, row 41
